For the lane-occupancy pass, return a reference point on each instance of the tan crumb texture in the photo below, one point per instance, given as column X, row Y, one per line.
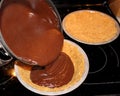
column 79, row 66
column 90, row 26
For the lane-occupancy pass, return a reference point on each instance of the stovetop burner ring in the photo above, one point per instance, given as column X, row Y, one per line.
column 104, row 56
column 104, row 63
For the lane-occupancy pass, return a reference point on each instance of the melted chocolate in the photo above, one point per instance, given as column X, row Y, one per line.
column 30, row 30
column 56, row 74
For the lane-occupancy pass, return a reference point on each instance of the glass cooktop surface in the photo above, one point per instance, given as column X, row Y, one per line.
column 104, row 73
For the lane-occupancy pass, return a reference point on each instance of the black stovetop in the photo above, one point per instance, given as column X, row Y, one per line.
column 104, row 73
